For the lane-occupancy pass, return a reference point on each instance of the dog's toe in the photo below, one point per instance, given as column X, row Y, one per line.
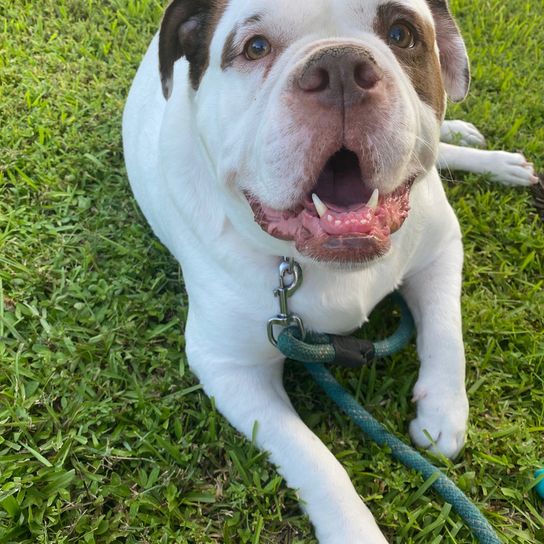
column 442, row 438
column 441, row 421
column 472, row 136
column 461, row 133
column 511, row 169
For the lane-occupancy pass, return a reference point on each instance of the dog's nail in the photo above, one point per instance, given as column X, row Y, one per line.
column 319, row 206
column 373, row 201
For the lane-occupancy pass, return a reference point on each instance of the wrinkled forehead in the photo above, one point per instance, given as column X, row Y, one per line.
column 325, row 18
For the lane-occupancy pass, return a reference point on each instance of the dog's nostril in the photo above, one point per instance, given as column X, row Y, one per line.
column 367, row 75
column 314, row 80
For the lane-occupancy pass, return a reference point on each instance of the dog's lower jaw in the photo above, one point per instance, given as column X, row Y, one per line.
column 350, row 235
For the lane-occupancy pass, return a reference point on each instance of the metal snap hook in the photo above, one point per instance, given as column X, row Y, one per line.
column 290, row 279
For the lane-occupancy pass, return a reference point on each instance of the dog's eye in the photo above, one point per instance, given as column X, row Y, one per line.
column 257, row 48
column 401, row 35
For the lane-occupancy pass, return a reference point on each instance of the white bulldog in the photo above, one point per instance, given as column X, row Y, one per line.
column 307, row 130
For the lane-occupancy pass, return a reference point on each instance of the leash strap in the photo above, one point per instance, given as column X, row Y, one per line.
column 410, row 458
column 315, row 350
column 345, row 351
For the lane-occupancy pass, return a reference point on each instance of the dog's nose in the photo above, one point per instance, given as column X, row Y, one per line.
column 340, row 74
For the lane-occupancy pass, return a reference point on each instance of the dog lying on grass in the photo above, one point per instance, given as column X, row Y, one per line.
column 257, row 130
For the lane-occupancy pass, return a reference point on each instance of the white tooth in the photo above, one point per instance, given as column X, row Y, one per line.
column 319, row 206
column 373, row 201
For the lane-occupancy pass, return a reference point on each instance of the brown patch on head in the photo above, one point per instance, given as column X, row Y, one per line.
column 420, row 62
column 453, row 54
column 186, row 31
column 229, row 50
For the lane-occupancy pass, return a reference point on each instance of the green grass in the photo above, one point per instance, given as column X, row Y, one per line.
column 106, row 435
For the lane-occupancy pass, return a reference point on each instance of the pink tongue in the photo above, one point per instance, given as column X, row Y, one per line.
column 354, row 222
column 340, row 183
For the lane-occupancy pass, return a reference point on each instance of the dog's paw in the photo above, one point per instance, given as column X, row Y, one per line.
column 441, row 421
column 510, row 169
column 461, row 133
column 352, row 523
column 362, row 533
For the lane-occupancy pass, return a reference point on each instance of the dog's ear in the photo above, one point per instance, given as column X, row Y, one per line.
column 453, row 53
column 185, row 32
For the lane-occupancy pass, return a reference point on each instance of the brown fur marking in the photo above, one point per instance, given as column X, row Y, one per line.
column 229, row 50
column 194, row 45
column 420, row 62
column 451, row 50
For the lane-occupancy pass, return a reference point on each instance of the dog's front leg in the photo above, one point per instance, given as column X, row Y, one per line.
column 433, row 295
column 502, row 166
column 249, row 395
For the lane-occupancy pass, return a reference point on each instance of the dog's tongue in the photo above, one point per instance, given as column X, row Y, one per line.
column 340, row 184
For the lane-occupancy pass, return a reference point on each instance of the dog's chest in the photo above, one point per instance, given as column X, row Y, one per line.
column 340, row 303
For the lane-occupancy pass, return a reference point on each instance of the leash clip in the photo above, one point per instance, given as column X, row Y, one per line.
column 290, row 278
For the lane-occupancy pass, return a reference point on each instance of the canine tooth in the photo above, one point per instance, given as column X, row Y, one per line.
column 319, row 206
column 373, row 201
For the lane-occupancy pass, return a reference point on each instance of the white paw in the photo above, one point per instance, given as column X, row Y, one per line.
column 510, row 169
column 360, row 536
column 461, row 133
column 441, row 421
column 354, row 524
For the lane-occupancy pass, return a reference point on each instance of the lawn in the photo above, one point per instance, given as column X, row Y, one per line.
column 105, row 433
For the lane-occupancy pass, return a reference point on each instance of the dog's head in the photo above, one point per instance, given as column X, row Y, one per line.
column 321, row 114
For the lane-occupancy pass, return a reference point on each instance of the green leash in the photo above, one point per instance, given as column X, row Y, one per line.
column 314, row 350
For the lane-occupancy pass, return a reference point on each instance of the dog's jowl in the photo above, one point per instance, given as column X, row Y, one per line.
column 310, row 129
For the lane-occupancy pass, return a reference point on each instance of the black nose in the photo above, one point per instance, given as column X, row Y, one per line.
column 335, row 74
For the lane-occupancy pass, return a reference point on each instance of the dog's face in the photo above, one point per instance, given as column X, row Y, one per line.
column 320, row 113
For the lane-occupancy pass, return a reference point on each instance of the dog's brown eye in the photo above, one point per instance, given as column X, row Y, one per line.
column 401, row 35
column 257, row 48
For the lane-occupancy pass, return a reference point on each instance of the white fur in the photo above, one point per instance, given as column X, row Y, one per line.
column 501, row 166
column 461, row 133
column 178, row 155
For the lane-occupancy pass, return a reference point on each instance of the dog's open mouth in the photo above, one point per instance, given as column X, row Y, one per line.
column 341, row 218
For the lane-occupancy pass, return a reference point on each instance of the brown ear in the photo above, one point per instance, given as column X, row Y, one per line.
column 453, row 54
column 186, row 31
